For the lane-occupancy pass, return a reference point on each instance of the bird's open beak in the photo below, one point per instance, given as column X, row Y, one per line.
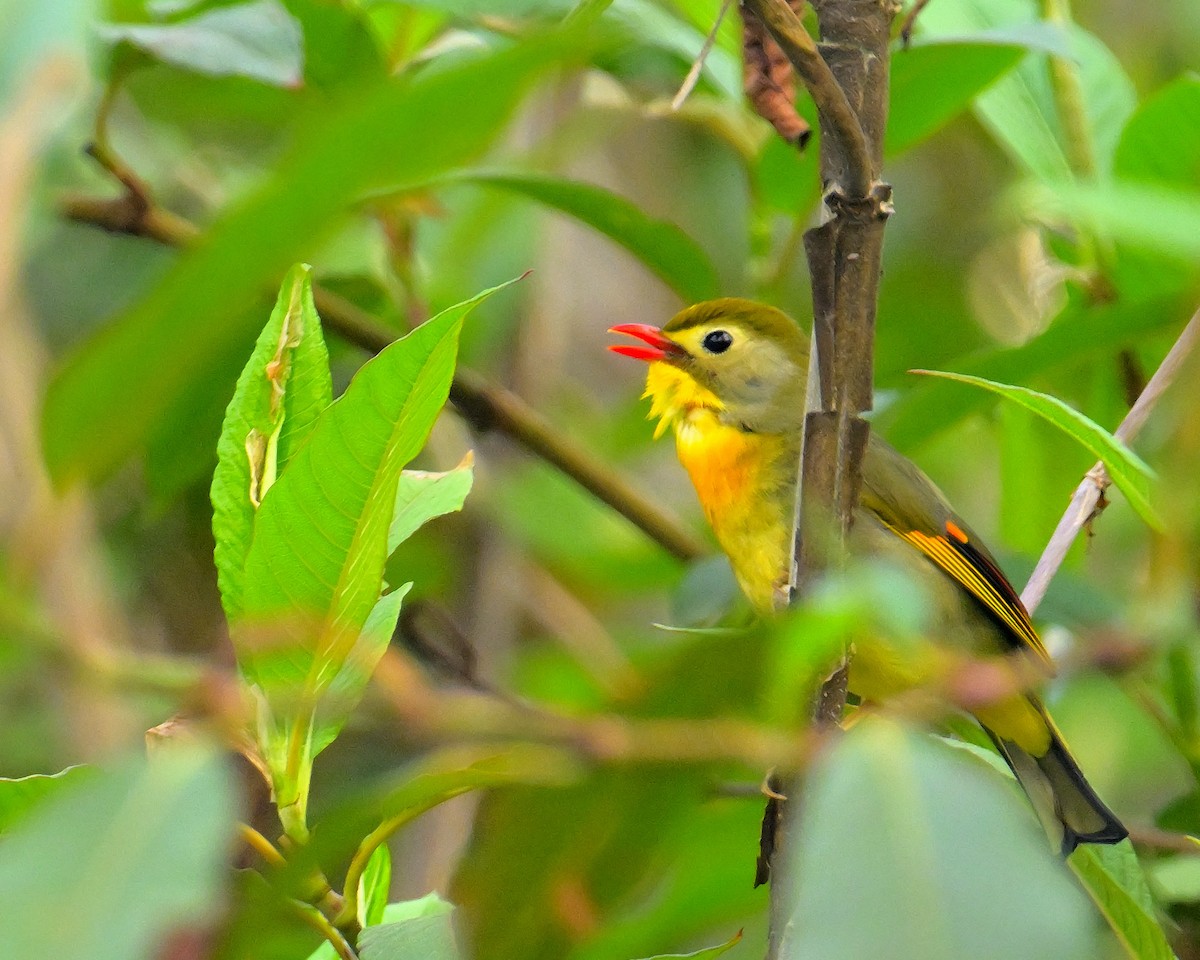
column 660, row 346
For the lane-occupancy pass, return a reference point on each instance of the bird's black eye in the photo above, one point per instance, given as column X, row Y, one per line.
column 717, row 341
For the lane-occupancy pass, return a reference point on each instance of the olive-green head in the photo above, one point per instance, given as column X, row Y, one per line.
column 752, row 357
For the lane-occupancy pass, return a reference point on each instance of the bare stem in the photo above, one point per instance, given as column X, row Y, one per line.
column 1088, row 501
column 1068, row 98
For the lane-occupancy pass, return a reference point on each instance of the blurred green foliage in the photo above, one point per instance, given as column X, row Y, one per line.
column 1047, row 236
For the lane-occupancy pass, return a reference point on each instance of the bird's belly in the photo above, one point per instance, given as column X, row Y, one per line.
column 746, row 498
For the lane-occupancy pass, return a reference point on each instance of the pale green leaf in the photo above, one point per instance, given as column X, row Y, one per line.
column 1113, row 878
column 1153, row 218
column 259, row 40
column 1128, row 471
column 23, row 794
column 900, row 841
column 283, row 388
column 421, row 496
column 373, row 887
column 110, row 866
column 413, row 930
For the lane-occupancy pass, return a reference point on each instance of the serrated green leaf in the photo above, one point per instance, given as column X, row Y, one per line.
column 1128, row 471
column 259, row 40
column 283, row 388
column 932, row 82
column 109, row 395
column 109, row 867
column 20, row 796
column 1113, row 878
column 663, row 247
column 900, row 841
column 421, row 496
column 313, row 624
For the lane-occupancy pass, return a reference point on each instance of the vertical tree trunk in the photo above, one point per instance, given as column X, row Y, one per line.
column 844, row 256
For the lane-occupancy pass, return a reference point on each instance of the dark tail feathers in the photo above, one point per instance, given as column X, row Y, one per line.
column 1063, row 800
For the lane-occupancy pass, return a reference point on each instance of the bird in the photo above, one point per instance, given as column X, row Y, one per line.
column 729, row 376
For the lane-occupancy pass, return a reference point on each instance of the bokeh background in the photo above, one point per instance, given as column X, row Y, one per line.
column 1012, row 255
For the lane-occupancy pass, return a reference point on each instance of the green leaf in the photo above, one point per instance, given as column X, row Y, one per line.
column 1162, row 220
column 663, row 247
column 110, row 866
column 373, row 887
column 706, row 954
column 18, row 797
column 413, row 930
column 1161, row 142
column 1091, row 335
column 1128, row 471
column 313, row 624
column 1020, row 110
column 455, row 771
column 111, row 392
column 1177, row 880
column 933, row 82
column 900, row 842
column 1113, row 878
column 259, row 40
column 379, row 811
column 421, row 496
column 283, row 388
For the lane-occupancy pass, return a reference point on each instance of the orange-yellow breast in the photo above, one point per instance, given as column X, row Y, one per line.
column 745, row 481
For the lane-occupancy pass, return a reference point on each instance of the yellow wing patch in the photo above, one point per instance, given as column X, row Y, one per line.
column 982, row 579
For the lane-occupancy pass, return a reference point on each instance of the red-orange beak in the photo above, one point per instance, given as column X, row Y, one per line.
column 659, row 347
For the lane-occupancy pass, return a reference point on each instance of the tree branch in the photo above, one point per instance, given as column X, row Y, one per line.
column 485, row 405
column 1088, row 502
column 844, row 256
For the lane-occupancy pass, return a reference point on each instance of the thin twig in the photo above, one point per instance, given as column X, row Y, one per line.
column 1069, row 100
column 319, row 922
column 830, row 98
column 1088, row 500
column 693, row 75
column 432, row 715
column 1156, row 838
column 261, row 845
column 910, row 21
column 486, row 405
